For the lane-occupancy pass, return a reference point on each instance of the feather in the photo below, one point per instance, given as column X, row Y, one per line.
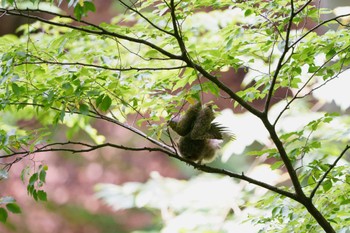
column 185, row 124
column 199, row 136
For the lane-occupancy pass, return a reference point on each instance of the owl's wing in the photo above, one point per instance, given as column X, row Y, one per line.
column 218, row 131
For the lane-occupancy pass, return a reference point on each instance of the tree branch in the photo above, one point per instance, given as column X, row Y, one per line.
column 204, row 168
column 296, row 96
column 99, row 66
column 145, row 18
column 96, row 115
column 313, row 192
column 242, row 177
column 98, row 30
column 101, row 31
column 251, row 109
column 200, row 69
column 177, row 31
column 280, row 61
column 279, row 145
column 47, row 148
column 317, row 26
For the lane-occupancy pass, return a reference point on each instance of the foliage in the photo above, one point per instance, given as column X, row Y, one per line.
column 151, row 60
column 8, row 205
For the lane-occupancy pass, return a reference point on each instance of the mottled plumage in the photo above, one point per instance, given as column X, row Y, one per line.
column 198, row 133
column 185, row 124
column 203, row 123
column 198, row 150
column 191, row 149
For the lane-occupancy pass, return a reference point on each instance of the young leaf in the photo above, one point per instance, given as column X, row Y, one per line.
column 16, row 89
column 327, row 185
column 30, row 189
column 106, row 103
column 24, row 173
column 89, row 6
column 276, row 165
column 14, row 208
column 99, row 100
column 248, row 12
column 35, row 195
column 33, row 178
column 78, row 11
column 42, row 175
column 84, row 109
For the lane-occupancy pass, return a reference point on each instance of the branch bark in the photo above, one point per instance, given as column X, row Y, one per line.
column 62, row 146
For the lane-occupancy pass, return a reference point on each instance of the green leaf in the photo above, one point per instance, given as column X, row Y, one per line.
column 78, row 11
column 311, row 180
column 331, row 54
column 30, row 189
column 13, row 208
column 3, row 215
column 24, row 173
column 45, row 167
column 229, row 44
column 16, row 89
column 248, row 12
column 89, row 6
column 276, row 165
column 271, row 152
column 35, row 195
column 68, row 88
column 42, row 175
column 214, row 89
column 99, row 100
column 84, row 109
column 42, row 196
column 9, row 1
column 106, row 103
column 59, row 116
column 33, row 179
column 347, row 178
column 327, row 185
column 188, row 79
column 82, row 9
column 315, row 144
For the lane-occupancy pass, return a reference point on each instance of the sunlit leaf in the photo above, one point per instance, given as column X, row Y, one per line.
column 106, row 103
column 327, row 185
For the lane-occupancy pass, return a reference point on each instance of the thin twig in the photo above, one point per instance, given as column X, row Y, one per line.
column 313, row 192
column 98, row 30
column 205, row 168
column 145, row 18
column 98, row 66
